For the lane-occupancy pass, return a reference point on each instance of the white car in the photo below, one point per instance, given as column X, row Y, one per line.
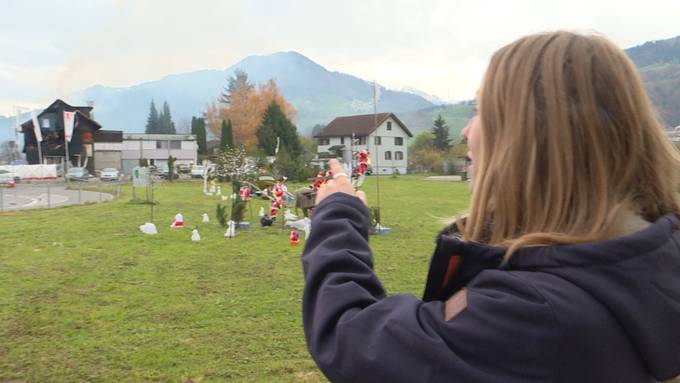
column 77, row 174
column 197, row 171
column 8, row 178
column 109, row 174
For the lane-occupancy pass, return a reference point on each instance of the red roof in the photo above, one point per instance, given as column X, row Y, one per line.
column 360, row 125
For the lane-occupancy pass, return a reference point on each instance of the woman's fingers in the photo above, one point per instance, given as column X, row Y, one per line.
column 362, row 197
column 335, row 166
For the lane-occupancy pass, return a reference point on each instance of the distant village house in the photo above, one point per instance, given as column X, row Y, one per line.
column 156, row 148
column 86, row 132
column 382, row 134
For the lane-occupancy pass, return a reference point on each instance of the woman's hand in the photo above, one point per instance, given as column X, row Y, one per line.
column 339, row 184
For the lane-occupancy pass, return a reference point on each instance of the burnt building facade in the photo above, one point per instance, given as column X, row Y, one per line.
column 81, row 147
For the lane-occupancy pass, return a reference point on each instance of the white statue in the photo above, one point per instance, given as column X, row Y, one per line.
column 195, row 236
column 148, row 228
column 288, row 216
column 231, row 230
column 206, row 219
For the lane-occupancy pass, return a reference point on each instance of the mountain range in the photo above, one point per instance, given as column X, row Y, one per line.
column 319, row 95
column 659, row 66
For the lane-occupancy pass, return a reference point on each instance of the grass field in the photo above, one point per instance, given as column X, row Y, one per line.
column 84, row 296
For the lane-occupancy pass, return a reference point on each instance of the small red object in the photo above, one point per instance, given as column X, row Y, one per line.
column 294, row 238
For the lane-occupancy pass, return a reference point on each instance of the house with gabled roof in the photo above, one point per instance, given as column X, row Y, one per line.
column 85, row 130
column 382, row 134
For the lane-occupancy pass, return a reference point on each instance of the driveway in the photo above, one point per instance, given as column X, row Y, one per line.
column 33, row 196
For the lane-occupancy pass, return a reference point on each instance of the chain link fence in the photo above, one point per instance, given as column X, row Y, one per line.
column 36, row 195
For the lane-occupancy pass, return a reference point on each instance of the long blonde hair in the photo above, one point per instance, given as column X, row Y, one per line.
column 569, row 140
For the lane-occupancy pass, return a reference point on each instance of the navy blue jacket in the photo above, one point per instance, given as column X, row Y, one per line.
column 606, row 311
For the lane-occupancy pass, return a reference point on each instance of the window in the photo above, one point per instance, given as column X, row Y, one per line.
column 324, row 141
column 398, row 155
column 161, row 144
column 362, row 140
column 175, row 144
column 399, row 141
column 388, row 155
column 377, row 140
column 389, row 125
column 342, row 140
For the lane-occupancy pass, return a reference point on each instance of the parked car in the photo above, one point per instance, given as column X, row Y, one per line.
column 11, row 175
column 109, row 174
column 197, row 171
column 7, row 179
column 77, row 174
column 164, row 173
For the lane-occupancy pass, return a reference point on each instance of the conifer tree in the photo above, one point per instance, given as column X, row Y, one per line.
column 198, row 129
column 152, row 122
column 441, row 134
column 226, row 136
column 275, row 125
column 166, row 126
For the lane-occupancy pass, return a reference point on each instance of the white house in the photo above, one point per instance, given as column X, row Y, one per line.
column 156, row 148
column 382, row 134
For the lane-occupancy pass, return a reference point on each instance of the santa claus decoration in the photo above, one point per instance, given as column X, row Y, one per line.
column 362, row 162
column 319, row 180
column 294, row 238
column 178, row 223
column 245, row 193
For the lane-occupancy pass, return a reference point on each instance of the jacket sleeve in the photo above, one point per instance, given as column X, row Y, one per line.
column 355, row 333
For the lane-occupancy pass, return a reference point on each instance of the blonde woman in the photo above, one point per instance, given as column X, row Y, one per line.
column 567, row 268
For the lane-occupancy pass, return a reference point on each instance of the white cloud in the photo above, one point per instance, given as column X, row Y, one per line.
column 440, row 47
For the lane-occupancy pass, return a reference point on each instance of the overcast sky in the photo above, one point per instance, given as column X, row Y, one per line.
column 50, row 49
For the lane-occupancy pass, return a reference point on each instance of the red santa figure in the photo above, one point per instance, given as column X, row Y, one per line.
column 294, row 238
column 319, row 180
column 363, row 162
column 245, row 193
column 278, row 192
column 274, row 209
column 178, row 223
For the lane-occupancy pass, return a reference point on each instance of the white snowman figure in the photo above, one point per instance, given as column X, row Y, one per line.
column 219, row 190
column 231, row 230
column 195, row 236
column 148, row 228
column 206, row 218
column 261, row 213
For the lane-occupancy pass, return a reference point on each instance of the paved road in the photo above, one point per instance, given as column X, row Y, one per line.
column 33, row 196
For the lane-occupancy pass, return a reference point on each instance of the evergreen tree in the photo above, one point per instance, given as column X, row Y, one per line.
column 238, row 80
column 198, row 129
column 166, row 126
column 441, row 134
column 275, row 125
column 227, row 136
column 152, row 122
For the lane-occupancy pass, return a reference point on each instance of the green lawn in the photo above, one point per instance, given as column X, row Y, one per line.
column 84, row 296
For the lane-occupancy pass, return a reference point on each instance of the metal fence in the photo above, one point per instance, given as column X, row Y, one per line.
column 36, row 195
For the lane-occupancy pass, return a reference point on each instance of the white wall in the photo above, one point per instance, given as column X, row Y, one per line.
column 134, row 144
column 112, row 146
column 189, row 145
column 387, row 138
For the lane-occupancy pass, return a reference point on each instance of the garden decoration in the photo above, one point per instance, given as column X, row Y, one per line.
column 178, row 223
